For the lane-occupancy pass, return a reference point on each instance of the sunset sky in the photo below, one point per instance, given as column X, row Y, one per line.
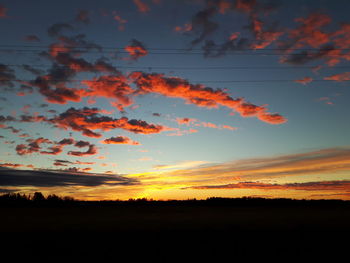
column 175, row 99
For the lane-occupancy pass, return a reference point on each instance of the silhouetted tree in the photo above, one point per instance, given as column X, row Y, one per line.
column 38, row 197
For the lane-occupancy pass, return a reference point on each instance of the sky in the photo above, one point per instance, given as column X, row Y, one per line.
column 165, row 99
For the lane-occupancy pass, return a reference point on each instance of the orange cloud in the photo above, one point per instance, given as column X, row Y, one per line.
column 304, row 81
column 112, row 87
column 262, row 38
column 195, row 122
column 332, row 46
column 339, row 77
column 200, row 95
column 185, row 28
column 120, row 20
column 224, row 6
column 179, row 132
column 11, row 165
column 136, row 50
column 309, row 32
column 186, row 121
column 88, row 119
column 33, row 146
column 246, row 6
column 141, row 6
column 120, row 140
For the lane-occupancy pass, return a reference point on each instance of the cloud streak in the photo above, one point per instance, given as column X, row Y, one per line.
column 324, row 161
column 37, row 178
column 341, row 185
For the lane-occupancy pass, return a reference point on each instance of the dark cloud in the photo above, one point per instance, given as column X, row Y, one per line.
column 56, row 29
column 309, row 186
column 7, row 77
column 83, row 16
column 202, row 25
column 81, row 144
column 92, row 150
column 32, row 38
column 213, row 50
column 307, row 56
column 33, row 146
column 32, row 70
column 52, row 86
column 120, row 140
column 86, row 120
column 17, row 178
column 13, row 130
column 7, row 118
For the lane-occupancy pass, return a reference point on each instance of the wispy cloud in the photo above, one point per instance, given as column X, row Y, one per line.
column 321, row 162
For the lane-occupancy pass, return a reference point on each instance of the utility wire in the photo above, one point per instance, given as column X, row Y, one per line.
column 193, row 68
column 228, row 52
column 167, row 49
column 200, row 81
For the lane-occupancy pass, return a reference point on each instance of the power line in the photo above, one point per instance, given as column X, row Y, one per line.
column 228, row 52
column 199, row 81
column 169, row 49
column 239, row 52
column 195, row 68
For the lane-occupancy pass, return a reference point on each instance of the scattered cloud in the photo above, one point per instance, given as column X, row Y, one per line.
column 86, row 120
column 56, row 29
column 120, row 140
column 7, row 77
column 339, row 77
column 141, row 6
column 120, row 20
column 83, row 16
column 136, row 50
column 304, row 81
column 92, row 150
column 32, row 38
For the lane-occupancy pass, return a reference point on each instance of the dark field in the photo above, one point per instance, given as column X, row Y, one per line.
column 209, row 229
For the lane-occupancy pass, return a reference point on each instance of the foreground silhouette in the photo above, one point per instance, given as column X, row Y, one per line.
column 215, row 228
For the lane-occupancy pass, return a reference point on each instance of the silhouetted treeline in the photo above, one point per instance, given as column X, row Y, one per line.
column 38, row 198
